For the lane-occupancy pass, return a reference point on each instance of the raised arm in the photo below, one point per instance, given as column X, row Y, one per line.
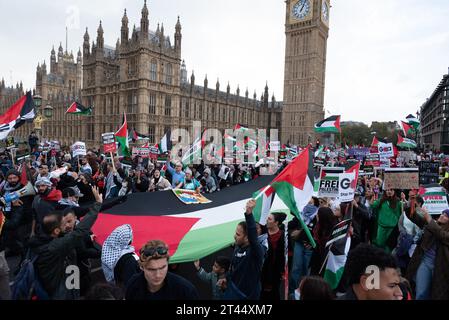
column 251, row 229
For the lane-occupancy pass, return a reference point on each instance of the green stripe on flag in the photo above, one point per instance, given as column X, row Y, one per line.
column 200, row 243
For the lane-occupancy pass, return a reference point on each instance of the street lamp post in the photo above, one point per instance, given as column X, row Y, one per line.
column 41, row 117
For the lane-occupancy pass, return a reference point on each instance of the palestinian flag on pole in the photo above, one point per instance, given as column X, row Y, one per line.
column 376, row 141
column 23, row 110
column 413, row 121
column 406, row 128
column 294, row 186
column 137, row 136
column 121, row 136
column 165, row 143
column 78, row 108
column 264, row 200
column 406, row 143
column 329, row 125
column 339, row 245
column 192, row 232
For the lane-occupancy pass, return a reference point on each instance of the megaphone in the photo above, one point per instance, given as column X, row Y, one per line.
column 28, row 190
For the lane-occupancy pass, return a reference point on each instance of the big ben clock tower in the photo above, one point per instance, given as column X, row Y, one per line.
column 306, row 31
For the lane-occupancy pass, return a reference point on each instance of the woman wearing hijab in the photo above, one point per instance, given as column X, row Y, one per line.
column 159, row 183
column 118, row 260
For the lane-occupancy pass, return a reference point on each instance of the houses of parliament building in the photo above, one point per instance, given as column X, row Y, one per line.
column 144, row 76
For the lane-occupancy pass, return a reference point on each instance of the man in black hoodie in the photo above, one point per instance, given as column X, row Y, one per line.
column 243, row 280
column 57, row 251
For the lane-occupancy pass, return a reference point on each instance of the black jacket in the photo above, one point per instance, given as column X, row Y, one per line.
column 125, row 268
column 246, row 264
column 88, row 196
column 55, row 254
column 175, row 288
column 274, row 265
column 13, row 220
column 360, row 224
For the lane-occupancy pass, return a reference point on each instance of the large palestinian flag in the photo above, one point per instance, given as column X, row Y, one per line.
column 78, row 108
column 191, row 231
column 23, row 110
column 329, row 125
column 406, row 143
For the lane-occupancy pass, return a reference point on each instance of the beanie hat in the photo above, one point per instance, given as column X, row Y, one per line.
column 43, row 181
column 12, row 171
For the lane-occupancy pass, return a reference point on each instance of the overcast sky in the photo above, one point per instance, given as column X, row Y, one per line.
column 385, row 57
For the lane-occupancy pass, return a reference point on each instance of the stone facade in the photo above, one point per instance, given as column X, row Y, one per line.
column 434, row 118
column 144, row 75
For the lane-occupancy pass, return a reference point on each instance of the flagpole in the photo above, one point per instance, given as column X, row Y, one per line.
column 263, row 191
column 286, row 259
column 112, row 159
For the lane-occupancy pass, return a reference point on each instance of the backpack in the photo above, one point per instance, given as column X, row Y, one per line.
column 26, row 284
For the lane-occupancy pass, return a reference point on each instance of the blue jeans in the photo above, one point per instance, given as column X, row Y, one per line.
column 300, row 265
column 424, row 279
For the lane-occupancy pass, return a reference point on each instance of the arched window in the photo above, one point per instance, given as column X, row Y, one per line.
column 169, row 74
column 153, row 70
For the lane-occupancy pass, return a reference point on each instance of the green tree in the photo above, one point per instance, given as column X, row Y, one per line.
column 355, row 133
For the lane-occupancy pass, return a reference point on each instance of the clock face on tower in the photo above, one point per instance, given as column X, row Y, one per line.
column 301, row 9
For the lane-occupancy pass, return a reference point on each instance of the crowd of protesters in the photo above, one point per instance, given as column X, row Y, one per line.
column 390, row 229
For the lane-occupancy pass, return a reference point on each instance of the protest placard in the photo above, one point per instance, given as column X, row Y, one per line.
column 346, row 187
column 401, row 178
column 372, row 160
column 109, row 144
column 386, row 150
column 428, row 172
column 79, row 149
column 141, row 152
column 329, row 181
column 358, row 153
column 435, row 199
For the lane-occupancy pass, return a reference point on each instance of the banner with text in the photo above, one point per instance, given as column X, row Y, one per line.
column 401, row 178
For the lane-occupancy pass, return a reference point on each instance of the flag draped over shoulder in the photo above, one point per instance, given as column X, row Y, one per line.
column 22, row 111
column 191, row 231
column 329, row 125
column 78, row 108
column 122, row 137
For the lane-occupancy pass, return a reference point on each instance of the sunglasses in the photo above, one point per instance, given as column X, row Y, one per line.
column 149, row 252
